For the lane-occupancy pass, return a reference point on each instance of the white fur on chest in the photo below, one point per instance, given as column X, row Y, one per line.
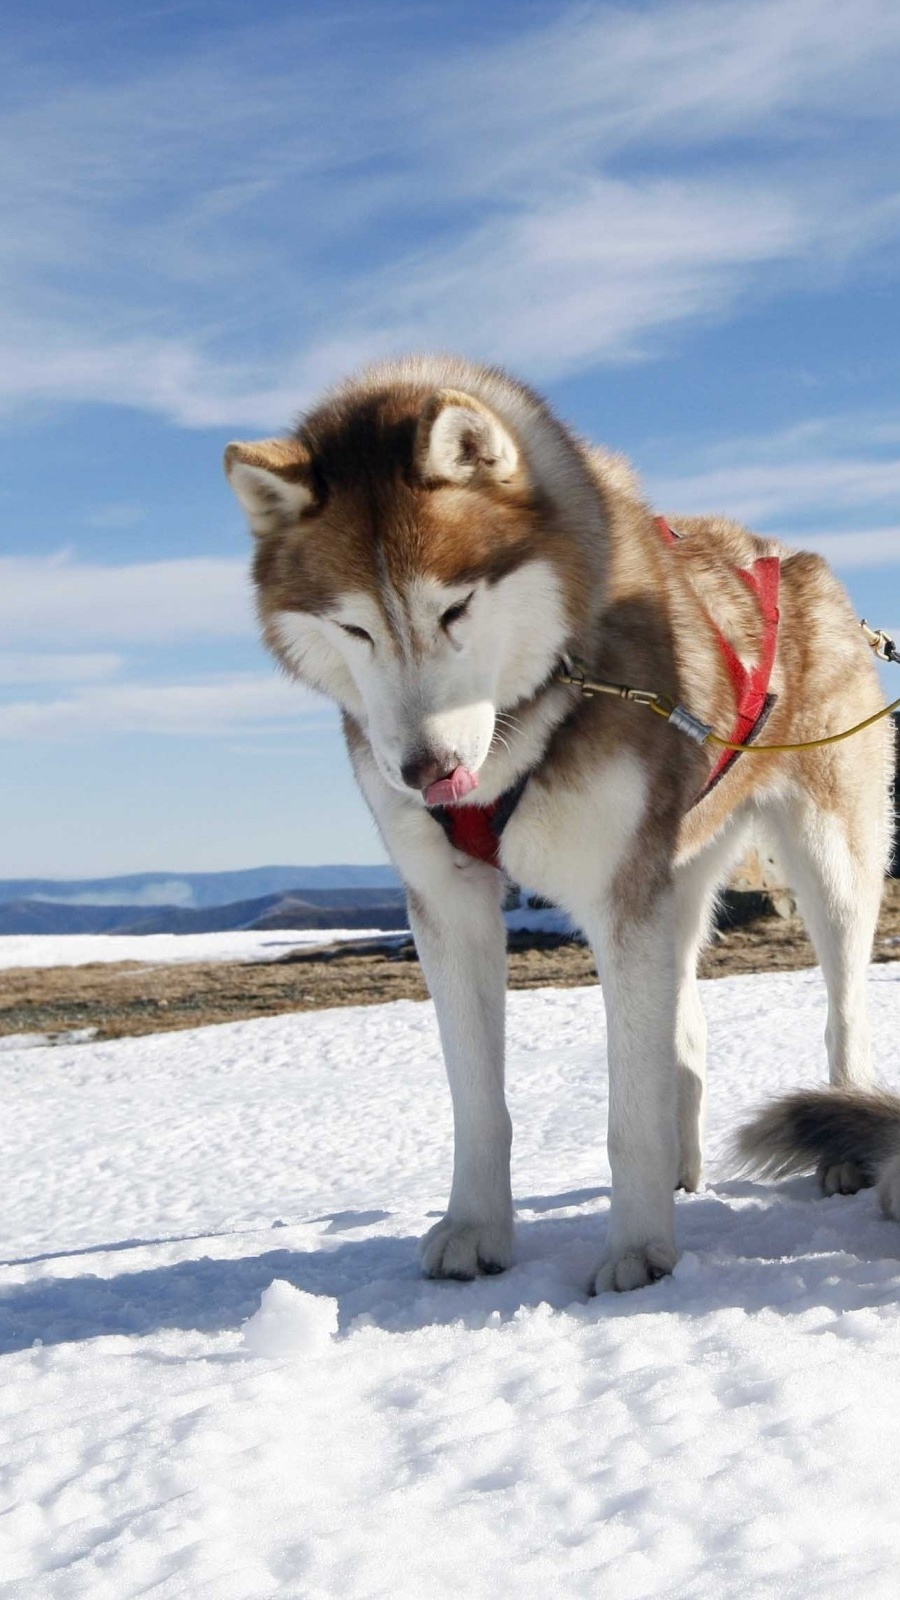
column 567, row 842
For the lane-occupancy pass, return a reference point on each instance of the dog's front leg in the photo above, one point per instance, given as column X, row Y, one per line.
column 636, row 962
column 461, row 940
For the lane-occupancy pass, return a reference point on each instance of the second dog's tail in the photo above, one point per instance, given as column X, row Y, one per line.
column 823, row 1128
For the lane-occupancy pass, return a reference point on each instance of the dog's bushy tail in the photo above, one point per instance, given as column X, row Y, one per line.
column 822, row 1128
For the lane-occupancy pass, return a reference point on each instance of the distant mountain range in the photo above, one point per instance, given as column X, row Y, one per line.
column 204, row 902
column 194, row 888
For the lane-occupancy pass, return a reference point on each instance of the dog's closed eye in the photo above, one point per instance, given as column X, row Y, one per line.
column 453, row 613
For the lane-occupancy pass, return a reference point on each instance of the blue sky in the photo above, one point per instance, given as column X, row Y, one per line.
column 681, row 221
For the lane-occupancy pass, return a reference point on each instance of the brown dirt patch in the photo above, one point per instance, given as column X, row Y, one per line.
column 133, row 997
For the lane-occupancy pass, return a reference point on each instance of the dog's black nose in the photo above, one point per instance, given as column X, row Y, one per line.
column 423, row 770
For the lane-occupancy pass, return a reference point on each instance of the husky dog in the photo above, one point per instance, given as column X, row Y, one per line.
column 851, row 1136
column 434, row 551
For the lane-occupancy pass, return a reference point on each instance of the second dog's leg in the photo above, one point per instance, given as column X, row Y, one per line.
column 461, row 940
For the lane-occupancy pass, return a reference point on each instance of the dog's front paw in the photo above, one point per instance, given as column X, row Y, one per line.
column 889, row 1189
column 635, row 1268
column 841, row 1177
column 455, row 1249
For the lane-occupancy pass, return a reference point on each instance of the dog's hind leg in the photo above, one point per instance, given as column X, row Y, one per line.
column 834, row 861
column 838, row 883
column 695, row 885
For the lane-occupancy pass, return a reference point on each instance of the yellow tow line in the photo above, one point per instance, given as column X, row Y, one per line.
column 575, row 674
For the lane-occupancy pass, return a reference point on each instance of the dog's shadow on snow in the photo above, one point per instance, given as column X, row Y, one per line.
column 842, row 1255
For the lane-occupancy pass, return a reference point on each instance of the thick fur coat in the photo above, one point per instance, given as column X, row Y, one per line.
column 431, row 544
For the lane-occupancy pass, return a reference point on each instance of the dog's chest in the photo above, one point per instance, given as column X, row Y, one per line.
column 566, row 841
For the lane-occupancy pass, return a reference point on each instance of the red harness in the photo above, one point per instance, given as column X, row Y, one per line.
column 751, row 685
column 477, row 830
column 470, row 830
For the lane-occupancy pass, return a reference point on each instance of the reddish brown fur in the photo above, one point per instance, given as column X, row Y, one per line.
column 640, row 609
column 375, row 520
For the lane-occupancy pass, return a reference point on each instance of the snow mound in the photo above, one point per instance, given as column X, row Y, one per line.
column 290, row 1322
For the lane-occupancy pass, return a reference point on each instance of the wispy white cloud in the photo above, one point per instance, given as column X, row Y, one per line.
column 587, row 277
column 760, row 493
column 875, row 547
column 61, row 361
column 57, row 601
column 55, row 667
column 829, row 484
column 219, row 235
column 240, row 704
column 605, row 81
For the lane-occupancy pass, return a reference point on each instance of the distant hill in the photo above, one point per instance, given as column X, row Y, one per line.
column 311, row 908
column 205, row 902
column 194, row 889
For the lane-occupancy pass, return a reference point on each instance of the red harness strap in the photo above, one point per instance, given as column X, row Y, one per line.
column 666, row 531
column 477, row 830
column 751, row 685
column 470, row 830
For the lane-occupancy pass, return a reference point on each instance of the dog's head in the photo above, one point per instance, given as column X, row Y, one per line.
column 409, row 566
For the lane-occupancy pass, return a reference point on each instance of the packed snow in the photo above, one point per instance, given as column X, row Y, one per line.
column 80, row 949
column 223, row 1377
column 158, row 949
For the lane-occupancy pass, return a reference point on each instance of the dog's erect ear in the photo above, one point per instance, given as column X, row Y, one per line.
column 460, row 440
column 273, row 479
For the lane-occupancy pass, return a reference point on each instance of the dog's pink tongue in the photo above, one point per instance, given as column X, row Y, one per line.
column 447, row 791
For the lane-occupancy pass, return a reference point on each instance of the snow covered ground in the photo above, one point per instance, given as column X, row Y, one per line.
column 223, row 1378
column 78, row 949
